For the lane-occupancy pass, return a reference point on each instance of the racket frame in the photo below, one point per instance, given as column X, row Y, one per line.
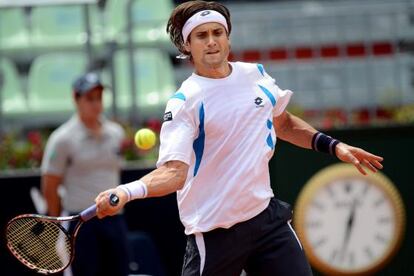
column 82, row 217
column 57, row 221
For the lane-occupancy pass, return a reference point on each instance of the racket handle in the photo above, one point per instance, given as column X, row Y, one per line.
column 90, row 212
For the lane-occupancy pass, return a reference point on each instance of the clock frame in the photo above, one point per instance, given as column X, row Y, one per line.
column 326, row 177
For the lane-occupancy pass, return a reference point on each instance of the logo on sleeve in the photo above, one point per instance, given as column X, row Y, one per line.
column 168, row 116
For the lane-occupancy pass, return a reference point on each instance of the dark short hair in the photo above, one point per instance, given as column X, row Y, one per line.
column 184, row 11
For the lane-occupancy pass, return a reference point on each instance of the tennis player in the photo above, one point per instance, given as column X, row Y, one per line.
column 218, row 135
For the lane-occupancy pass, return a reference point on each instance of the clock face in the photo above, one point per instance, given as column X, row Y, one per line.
column 349, row 223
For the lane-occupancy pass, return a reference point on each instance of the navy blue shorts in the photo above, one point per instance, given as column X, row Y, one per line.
column 265, row 245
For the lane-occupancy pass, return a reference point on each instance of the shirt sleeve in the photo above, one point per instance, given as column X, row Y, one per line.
column 282, row 96
column 56, row 156
column 177, row 132
column 283, row 99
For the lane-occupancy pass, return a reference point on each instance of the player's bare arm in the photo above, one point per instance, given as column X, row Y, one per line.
column 296, row 131
column 162, row 181
column 50, row 185
column 167, row 179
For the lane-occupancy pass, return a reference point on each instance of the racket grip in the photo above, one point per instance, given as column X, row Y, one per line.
column 90, row 212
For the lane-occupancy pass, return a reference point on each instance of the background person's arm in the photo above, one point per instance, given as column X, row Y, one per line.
column 296, row 131
column 50, row 185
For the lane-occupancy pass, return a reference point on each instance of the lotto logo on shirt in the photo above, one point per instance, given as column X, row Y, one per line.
column 168, row 116
column 259, row 102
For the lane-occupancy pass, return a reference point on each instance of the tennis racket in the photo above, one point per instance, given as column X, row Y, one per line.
column 42, row 243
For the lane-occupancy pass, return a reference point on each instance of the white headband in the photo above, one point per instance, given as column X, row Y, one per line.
column 205, row 16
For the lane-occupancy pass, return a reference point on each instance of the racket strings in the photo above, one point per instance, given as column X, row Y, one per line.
column 39, row 244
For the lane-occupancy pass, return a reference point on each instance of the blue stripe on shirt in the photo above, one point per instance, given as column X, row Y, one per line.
column 261, row 69
column 269, row 141
column 198, row 144
column 268, row 94
column 269, row 124
column 178, row 95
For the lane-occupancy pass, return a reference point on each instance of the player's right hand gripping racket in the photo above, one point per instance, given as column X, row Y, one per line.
column 42, row 243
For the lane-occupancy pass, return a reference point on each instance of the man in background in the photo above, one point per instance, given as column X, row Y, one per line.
column 83, row 156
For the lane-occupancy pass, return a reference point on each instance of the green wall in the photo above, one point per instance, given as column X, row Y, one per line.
column 291, row 167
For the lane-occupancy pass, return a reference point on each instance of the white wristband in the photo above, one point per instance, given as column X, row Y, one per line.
column 135, row 189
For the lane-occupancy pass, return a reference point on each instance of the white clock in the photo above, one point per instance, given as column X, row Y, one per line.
column 349, row 224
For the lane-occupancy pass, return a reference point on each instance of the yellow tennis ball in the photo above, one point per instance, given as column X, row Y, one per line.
column 145, row 138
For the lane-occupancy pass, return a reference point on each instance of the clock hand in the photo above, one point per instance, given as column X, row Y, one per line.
column 348, row 230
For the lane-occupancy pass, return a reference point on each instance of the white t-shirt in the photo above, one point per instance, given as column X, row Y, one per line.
column 223, row 129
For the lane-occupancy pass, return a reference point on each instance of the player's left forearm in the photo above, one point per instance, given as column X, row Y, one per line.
column 294, row 130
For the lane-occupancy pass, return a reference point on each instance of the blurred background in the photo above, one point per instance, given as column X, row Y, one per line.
column 350, row 64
